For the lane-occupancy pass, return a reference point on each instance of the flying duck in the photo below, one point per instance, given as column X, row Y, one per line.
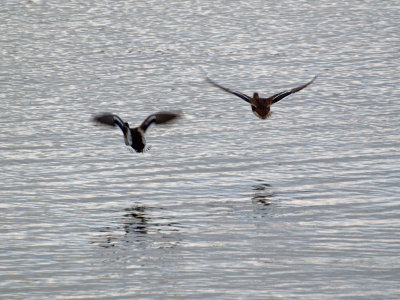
column 134, row 137
column 261, row 106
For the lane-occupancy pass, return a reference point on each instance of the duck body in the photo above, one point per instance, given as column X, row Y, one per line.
column 261, row 107
column 138, row 140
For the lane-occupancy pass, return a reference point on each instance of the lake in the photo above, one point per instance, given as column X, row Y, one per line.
column 303, row 205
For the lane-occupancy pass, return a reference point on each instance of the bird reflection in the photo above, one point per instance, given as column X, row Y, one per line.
column 136, row 227
column 135, row 220
column 262, row 194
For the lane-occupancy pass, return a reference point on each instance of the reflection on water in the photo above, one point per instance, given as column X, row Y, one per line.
column 263, row 194
column 136, row 226
column 326, row 207
column 135, row 220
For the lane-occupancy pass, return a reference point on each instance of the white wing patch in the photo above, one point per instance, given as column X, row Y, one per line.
column 119, row 122
column 129, row 137
column 150, row 120
column 281, row 94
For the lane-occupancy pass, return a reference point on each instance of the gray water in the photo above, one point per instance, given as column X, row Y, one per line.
column 303, row 205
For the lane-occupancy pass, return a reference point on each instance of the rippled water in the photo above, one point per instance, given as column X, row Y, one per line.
column 303, row 205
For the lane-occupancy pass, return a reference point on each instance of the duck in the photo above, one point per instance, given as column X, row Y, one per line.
column 135, row 137
column 261, row 107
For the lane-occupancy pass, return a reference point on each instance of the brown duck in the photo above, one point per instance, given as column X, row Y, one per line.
column 261, row 107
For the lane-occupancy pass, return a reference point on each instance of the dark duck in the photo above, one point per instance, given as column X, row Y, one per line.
column 261, row 107
column 134, row 137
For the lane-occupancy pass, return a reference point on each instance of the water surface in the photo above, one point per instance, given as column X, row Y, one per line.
column 303, row 205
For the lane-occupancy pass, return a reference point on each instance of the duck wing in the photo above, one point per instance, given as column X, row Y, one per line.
column 161, row 117
column 109, row 119
column 236, row 93
column 275, row 98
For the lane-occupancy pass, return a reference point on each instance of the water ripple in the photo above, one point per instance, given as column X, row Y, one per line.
column 223, row 205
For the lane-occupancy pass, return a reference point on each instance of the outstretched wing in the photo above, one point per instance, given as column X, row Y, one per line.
column 109, row 119
column 161, row 117
column 239, row 94
column 275, row 98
